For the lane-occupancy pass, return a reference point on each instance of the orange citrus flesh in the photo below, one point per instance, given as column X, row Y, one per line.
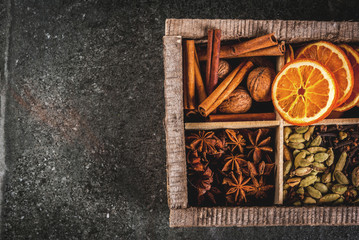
column 336, row 61
column 353, row 57
column 304, row 92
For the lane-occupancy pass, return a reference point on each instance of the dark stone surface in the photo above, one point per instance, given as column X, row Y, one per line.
column 84, row 135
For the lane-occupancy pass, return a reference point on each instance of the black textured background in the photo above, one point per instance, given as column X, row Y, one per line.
column 84, row 135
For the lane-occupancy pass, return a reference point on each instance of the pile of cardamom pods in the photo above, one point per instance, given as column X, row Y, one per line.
column 313, row 173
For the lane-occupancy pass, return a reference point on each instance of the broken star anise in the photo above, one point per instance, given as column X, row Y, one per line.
column 258, row 144
column 236, row 140
column 234, row 162
column 237, row 188
column 195, row 162
column 202, row 181
column 260, row 189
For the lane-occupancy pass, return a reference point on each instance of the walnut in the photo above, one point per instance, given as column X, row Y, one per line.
column 259, row 83
column 223, row 69
column 238, row 101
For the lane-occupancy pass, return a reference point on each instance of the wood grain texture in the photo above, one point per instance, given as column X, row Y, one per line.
column 291, row 31
column 264, row 216
column 174, row 123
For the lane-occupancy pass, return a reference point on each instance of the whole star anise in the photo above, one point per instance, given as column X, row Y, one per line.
column 258, row 144
column 204, row 142
column 202, row 181
column 237, row 187
column 236, row 140
column 260, row 189
column 234, row 162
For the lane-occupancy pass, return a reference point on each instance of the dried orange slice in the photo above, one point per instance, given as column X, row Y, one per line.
column 289, row 54
column 304, row 92
column 336, row 61
column 353, row 57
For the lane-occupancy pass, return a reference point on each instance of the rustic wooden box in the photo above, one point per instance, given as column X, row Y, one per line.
column 290, row 31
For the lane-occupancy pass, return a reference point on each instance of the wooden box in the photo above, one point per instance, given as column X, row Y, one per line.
column 181, row 215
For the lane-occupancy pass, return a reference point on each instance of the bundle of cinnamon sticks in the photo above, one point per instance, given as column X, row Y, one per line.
column 208, row 95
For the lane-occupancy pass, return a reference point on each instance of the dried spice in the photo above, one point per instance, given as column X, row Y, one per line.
column 259, row 143
column 326, row 168
column 224, row 170
column 237, row 188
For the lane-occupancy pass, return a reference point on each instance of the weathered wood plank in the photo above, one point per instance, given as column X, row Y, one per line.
column 174, row 124
column 289, row 30
column 263, row 216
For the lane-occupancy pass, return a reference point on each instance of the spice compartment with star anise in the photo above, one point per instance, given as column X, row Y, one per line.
column 231, row 167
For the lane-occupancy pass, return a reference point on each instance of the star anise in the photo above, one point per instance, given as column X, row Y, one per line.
column 260, row 189
column 195, row 162
column 236, row 140
column 202, row 181
column 234, row 163
column 258, row 145
column 265, row 168
column 204, row 142
column 237, row 187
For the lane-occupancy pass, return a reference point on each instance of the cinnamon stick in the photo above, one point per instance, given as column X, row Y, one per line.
column 241, row 117
column 276, row 50
column 235, row 50
column 191, row 74
column 201, row 91
column 185, row 78
column 215, row 60
column 209, row 59
column 224, row 89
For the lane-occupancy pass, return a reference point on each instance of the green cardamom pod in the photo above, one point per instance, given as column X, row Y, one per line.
column 296, row 138
column 338, row 201
column 296, row 145
column 321, row 157
column 293, row 181
column 286, row 186
column 310, row 158
column 330, row 197
column 297, row 203
column 341, row 162
column 301, row 129
column 308, row 181
column 316, row 149
column 302, row 171
column 340, row 177
column 287, row 132
column 295, row 152
column 343, row 135
column 326, row 177
column 286, row 167
column 298, row 158
column 314, row 192
column 330, row 159
column 321, row 187
column 355, row 177
column 309, row 133
column 320, row 167
column 316, row 141
column 287, row 154
column 339, row 188
column 309, row 200
column 300, row 191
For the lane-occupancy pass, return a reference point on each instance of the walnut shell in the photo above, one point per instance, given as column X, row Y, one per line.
column 259, row 83
column 239, row 101
column 223, row 69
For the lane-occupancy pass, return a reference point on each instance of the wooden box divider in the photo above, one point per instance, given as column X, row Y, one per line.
column 290, row 31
